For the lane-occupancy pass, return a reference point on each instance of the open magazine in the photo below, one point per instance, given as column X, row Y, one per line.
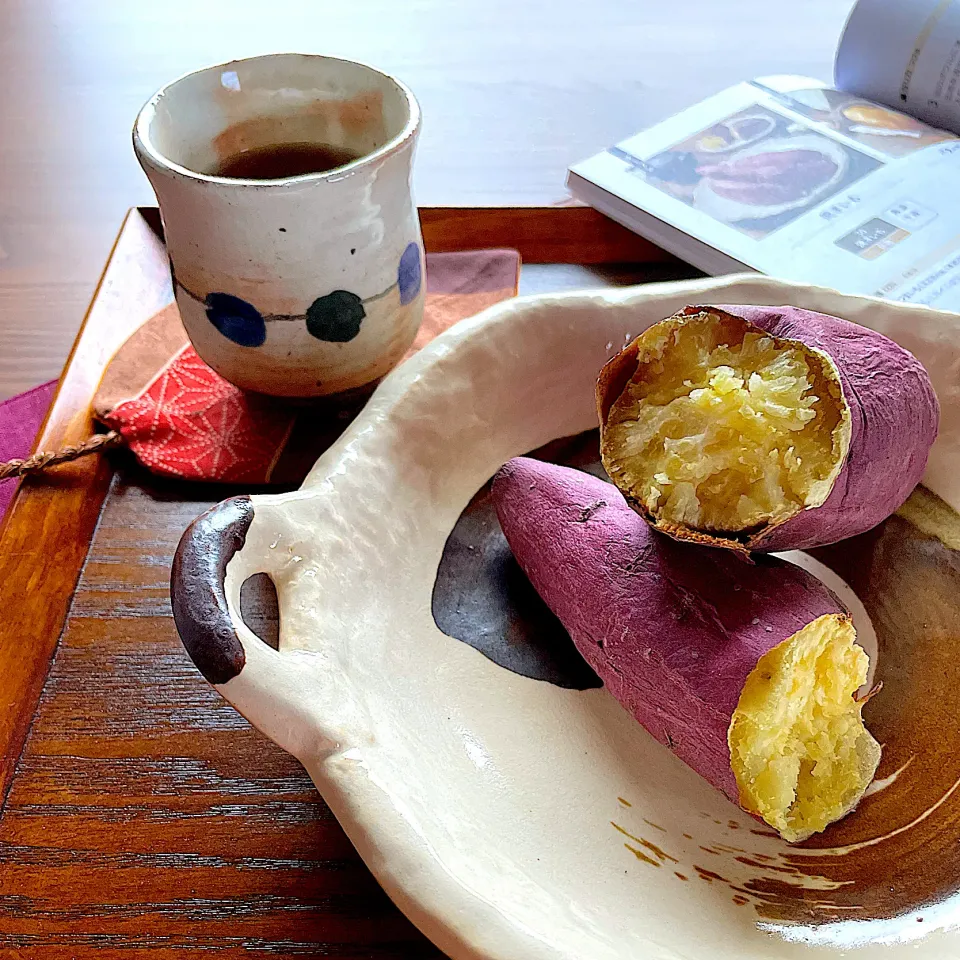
column 855, row 186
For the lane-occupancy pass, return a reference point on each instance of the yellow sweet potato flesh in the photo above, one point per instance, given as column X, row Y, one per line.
column 723, row 428
column 798, row 747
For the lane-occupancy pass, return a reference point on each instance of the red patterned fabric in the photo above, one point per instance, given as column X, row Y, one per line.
column 191, row 423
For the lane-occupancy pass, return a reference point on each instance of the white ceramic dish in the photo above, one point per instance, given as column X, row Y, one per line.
column 513, row 817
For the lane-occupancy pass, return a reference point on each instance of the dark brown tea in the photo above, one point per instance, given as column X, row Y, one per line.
column 279, row 160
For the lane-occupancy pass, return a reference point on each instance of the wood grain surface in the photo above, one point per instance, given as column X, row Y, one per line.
column 147, row 818
column 512, row 93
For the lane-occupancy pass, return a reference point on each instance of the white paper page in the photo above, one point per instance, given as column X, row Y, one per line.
column 906, row 54
column 800, row 181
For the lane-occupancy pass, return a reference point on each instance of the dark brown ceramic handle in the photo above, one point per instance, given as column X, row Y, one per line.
column 197, row 588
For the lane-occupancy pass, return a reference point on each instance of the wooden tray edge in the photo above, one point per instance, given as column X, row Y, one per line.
column 46, row 533
column 562, row 234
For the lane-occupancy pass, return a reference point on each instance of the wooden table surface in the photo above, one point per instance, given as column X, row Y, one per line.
column 512, row 92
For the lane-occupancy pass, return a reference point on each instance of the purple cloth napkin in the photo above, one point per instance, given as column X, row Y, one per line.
column 20, row 419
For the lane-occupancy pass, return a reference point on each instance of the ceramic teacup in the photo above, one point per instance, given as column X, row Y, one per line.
column 301, row 286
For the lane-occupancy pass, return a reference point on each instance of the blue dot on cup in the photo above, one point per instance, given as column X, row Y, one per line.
column 335, row 317
column 236, row 319
column 408, row 275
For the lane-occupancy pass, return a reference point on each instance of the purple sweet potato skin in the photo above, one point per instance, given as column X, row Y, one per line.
column 672, row 629
column 895, row 415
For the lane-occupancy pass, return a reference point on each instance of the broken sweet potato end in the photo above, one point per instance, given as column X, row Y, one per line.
column 799, row 750
column 723, row 428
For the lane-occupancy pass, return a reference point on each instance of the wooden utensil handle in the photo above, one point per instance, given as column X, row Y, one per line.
column 197, row 590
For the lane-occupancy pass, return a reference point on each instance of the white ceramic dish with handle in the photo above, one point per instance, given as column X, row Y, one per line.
column 507, row 804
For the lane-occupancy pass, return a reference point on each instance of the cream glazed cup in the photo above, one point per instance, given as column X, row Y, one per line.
column 303, row 286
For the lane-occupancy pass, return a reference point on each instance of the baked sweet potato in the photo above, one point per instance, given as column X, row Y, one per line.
column 746, row 671
column 764, row 428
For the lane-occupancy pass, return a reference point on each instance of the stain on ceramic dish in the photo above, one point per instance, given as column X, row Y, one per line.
column 482, row 597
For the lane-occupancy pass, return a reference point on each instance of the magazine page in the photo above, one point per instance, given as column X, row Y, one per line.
column 906, row 54
column 803, row 182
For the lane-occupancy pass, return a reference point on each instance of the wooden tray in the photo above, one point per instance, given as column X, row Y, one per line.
column 140, row 816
